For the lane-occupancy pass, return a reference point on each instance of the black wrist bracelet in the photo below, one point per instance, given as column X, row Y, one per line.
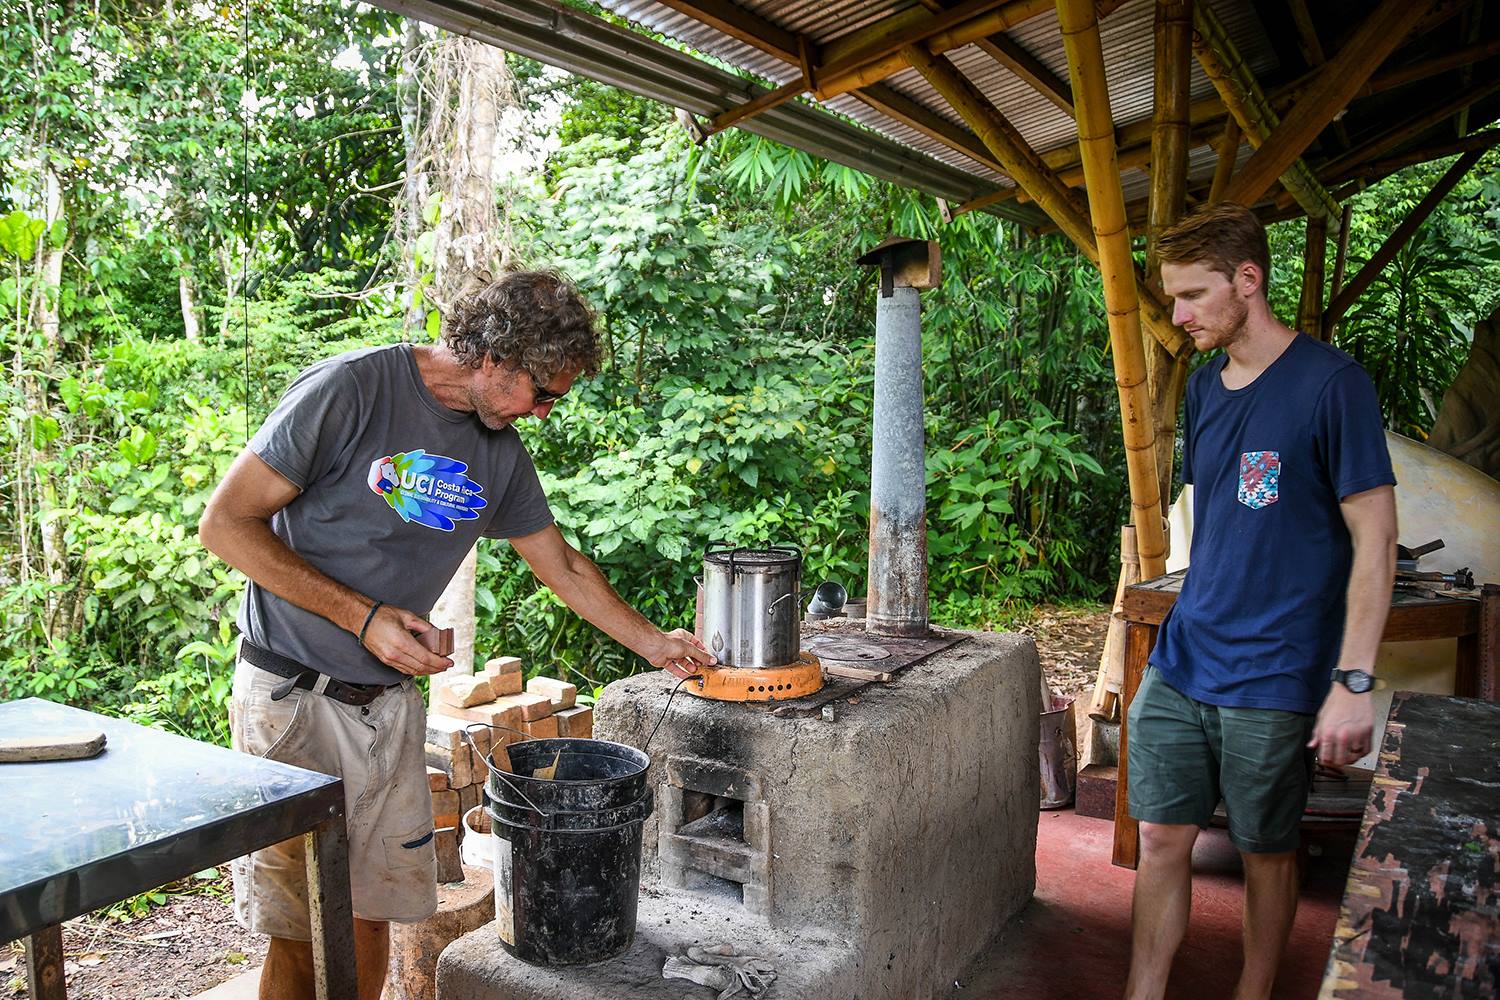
column 368, row 619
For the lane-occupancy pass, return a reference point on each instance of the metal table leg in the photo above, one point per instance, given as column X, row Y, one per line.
column 331, row 911
column 44, row 964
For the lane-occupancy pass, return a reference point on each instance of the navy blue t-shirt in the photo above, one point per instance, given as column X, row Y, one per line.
column 1261, row 614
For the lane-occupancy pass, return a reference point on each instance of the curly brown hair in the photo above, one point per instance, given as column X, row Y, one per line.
column 1221, row 236
column 535, row 319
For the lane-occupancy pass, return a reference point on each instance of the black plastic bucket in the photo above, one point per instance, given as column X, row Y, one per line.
column 568, row 850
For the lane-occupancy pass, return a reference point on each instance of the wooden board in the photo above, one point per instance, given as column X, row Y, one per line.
column 1421, row 910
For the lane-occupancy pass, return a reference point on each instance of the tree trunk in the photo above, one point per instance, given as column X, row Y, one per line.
column 414, row 190
column 465, row 86
column 187, row 296
column 47, row 322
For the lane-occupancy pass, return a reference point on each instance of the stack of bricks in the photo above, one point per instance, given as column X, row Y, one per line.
column 511, row 709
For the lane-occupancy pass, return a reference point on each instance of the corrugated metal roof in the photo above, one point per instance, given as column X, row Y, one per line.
column 1126, row 34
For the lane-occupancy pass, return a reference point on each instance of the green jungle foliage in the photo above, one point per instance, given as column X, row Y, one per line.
column 734, row 405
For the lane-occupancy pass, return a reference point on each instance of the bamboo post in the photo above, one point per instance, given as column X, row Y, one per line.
column 1096, row 140
column 1169, row 164
column 1397, row 239
column 1314, row 255
column 1377, row 37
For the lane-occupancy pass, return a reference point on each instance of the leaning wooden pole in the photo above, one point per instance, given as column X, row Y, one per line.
column 1393, row 244
column 1096, row 141
column 1169, row 163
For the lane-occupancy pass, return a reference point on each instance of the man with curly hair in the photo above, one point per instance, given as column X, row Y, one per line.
column 349, row 512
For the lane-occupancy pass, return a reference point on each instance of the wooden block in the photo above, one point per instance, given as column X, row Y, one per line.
column 437, row 779
column 445, row 808
column 463, row 690
column 502, row 665
column 560, row 693
column 544, row 728
column 504, row 684
column 856, row 673
column 59, row 746
column 438, row 640
column 576, row 723
column 1096, row 791
column 458, row 764
column 450, row 866
column 468, row 798
column 447, row 731
column 500, row 712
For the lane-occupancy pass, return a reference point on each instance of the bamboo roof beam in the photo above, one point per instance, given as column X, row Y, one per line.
column 1312, row 51
column 1416, row 72
column 1439, row 151
column 1340, row 258
column 1243, row 97
column 1032, row 175
column 1009, row 53
column 1229, row 148
column 795, row 50
column 1378, row 36
column 838, row 79
column 1026, row 67
column 1398, row 134
column 1393, row 244
column 1096, row 137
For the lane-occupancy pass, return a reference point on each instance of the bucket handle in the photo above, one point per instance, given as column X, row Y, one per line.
column 469, row 739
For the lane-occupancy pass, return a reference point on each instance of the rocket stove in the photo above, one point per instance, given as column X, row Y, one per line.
column 868, row 831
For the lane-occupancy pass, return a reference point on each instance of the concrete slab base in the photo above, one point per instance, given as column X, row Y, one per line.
column 808, row 964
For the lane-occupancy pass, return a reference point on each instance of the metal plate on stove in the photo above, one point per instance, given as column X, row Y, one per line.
column 845, row 650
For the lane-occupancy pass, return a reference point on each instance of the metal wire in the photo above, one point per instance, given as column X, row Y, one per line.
column 667, row 707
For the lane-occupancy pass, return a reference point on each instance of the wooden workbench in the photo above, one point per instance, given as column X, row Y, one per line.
column 1476, row 626
column 1421, row 909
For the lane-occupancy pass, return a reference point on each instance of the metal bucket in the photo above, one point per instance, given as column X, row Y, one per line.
column 751, row 605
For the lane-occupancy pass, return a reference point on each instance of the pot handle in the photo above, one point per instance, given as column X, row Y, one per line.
column 771, row 608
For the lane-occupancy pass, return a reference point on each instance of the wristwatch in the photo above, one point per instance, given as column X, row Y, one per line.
column 1355, row 680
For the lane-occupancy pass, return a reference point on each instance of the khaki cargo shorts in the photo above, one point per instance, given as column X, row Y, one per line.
column 377, row 750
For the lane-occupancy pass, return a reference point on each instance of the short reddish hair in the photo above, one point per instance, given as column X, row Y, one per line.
column 1222, row 236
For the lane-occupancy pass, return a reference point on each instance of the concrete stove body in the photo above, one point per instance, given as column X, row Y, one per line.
column 870, row 855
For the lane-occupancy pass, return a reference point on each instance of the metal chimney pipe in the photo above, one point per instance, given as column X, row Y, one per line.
column 897, row 588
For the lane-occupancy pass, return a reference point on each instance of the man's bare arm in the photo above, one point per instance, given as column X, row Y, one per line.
column 236, row 526
column 573, row 577
column 1346, row 722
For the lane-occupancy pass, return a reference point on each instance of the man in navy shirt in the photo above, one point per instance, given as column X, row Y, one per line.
column 1267, row 655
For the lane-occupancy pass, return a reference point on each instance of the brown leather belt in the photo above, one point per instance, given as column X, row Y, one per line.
column 306, row 678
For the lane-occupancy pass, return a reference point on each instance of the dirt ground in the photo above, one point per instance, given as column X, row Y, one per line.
column 193, row 943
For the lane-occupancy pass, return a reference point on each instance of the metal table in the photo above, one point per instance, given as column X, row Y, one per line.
column 152, row 808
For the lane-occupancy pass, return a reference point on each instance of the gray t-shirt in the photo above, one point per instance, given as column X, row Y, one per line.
column 396, row 489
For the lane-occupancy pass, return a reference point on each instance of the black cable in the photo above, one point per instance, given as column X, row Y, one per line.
column 667, row 707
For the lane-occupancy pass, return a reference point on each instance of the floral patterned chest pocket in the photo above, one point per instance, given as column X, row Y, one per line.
column 1260, row 479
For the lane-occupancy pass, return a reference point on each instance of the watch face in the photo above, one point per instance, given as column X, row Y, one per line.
column 1356, row 680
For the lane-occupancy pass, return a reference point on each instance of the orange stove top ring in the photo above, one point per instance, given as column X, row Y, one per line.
column 795, row 680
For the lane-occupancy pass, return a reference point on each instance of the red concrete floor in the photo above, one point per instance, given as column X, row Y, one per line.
column 1073, row 939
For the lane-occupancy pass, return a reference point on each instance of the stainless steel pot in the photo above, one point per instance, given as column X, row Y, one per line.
column 751, row 608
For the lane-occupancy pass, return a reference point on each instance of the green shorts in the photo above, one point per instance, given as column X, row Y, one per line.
column 1184, row 755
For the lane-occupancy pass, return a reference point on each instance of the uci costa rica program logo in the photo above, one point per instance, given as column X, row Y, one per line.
column 426, row 489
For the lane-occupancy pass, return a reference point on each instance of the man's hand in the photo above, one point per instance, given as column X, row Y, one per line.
column 389, row 637
column 678, row 652
column 1344, row 727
